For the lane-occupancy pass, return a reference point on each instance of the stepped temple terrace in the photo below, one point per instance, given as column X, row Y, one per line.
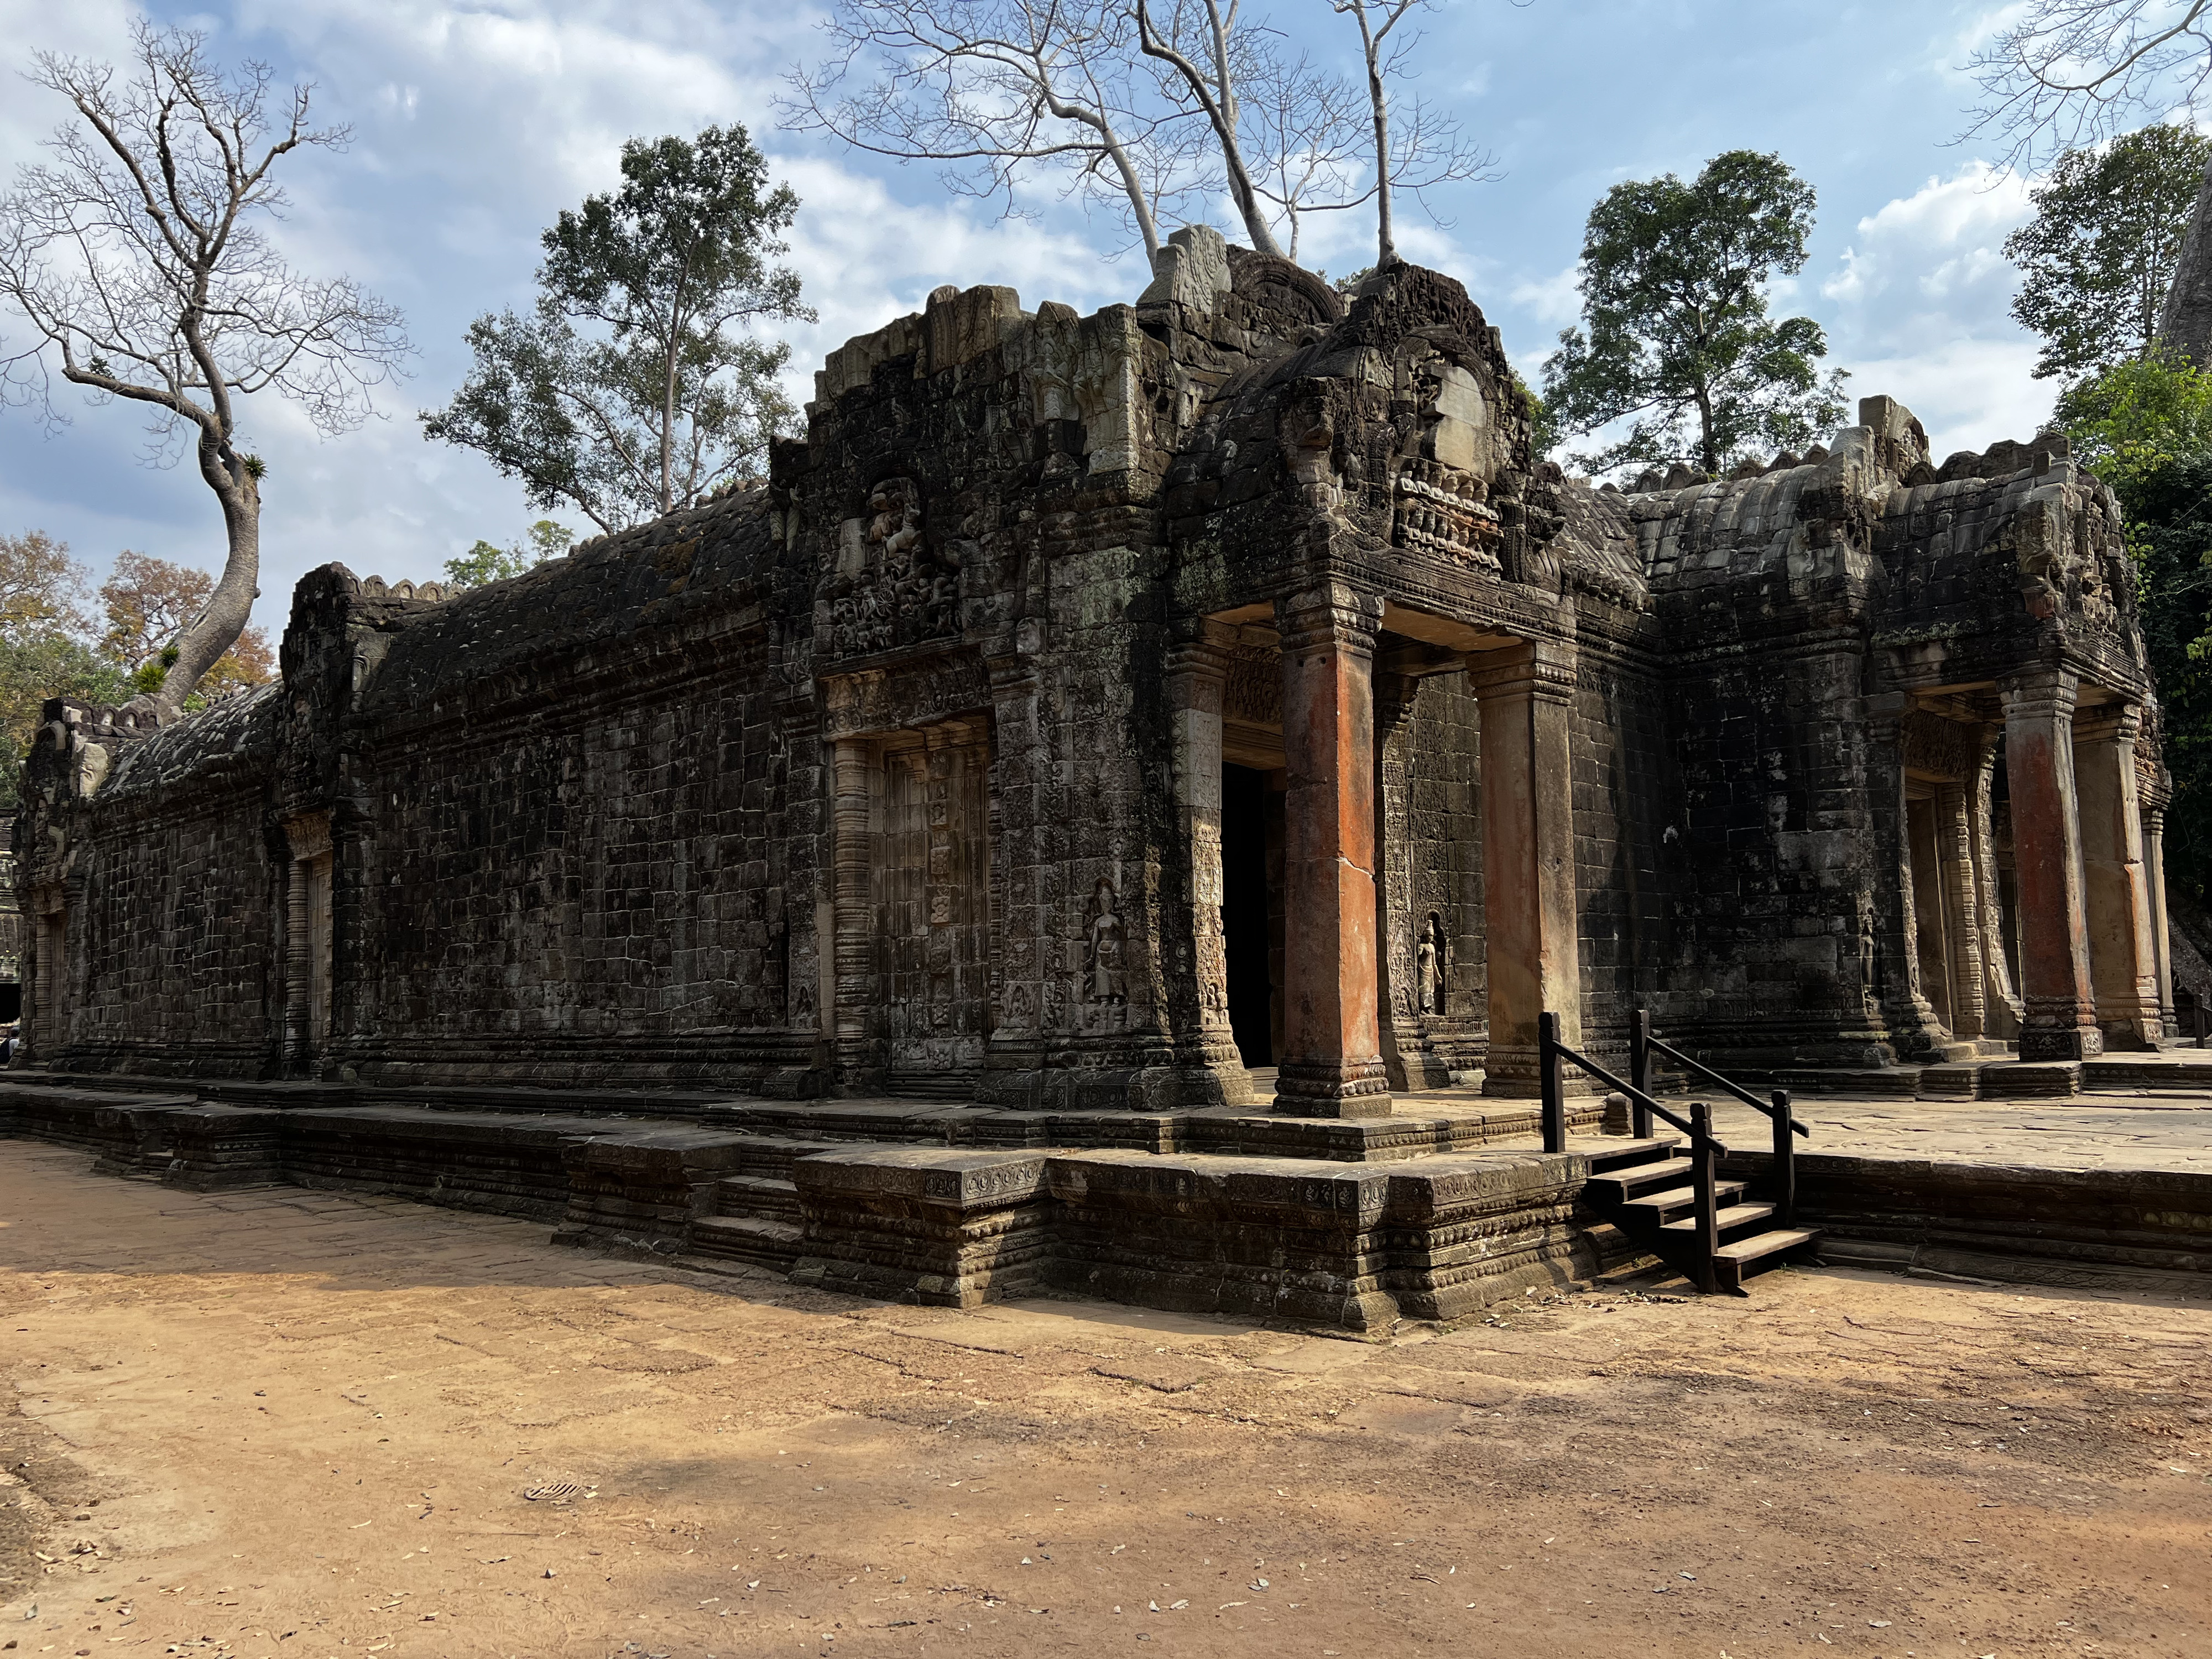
column 1180, row 804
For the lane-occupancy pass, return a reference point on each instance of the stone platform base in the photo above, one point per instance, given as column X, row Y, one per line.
column 2155, row 1219
column 1353, row 1223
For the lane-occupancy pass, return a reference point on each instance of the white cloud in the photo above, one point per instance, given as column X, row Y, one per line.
column 1968, row 394
column 1947, row 231
column 1555, row 301
column 1920, row 310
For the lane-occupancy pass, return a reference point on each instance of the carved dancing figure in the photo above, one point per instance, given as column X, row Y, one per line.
column 1106, row 980
column 1428, row 965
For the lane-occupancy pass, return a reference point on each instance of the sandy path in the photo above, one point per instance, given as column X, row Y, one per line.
column 303, row 1424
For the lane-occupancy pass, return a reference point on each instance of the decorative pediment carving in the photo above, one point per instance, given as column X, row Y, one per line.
column 888, row 587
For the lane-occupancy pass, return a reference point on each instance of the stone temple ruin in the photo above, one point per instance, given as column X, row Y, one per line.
column 1110, row 811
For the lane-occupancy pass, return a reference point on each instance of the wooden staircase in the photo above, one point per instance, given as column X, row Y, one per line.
column 1649, row 1194
column 1666, row 1198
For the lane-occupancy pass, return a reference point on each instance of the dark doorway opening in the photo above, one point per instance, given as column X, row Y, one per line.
column 1244, row 911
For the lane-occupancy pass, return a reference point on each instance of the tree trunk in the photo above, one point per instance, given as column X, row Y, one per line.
column 2186, row 324
column 217, row 629
column 1386, row 242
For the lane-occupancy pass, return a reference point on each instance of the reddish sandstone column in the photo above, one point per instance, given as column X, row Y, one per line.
column 1525, row 692
column 1331, row 1064
column 2061, row 1018
column 2153, row 858
column 2116, row 893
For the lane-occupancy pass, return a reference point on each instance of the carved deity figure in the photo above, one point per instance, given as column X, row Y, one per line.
column 1429, row 956
column 1105, row 979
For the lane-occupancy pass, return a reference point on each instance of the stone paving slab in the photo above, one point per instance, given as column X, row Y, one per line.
column 2084, row 1133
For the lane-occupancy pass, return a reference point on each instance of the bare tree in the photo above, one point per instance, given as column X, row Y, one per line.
column 136, row 258
column 1429, row 148
column 1308, row 133
column 1155, row 106
column 2066, row 73
column 995, row 88
column 1208, row 81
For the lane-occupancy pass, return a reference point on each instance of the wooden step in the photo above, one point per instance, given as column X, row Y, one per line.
column 1736, row 1216
column 759, row 1196
column 1615, row 1154
column 1734, row 1263
column 1622, row 1185
column 775, row 1244
column 1664, row 1206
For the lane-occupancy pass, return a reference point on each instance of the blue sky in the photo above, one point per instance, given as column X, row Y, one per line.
column 475, row 123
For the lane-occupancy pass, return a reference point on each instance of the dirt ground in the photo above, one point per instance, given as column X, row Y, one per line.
column 306, row 1425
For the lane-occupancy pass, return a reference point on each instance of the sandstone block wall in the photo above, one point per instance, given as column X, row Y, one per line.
column 902, row 773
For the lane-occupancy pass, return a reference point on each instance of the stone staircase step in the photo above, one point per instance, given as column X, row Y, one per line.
column 775, row 1244
column 1735, row 1217
column 758, row 1196
column 768, row 1158
column 1734, row 1263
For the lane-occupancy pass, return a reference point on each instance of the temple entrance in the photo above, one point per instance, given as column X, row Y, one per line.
column 1251, row 910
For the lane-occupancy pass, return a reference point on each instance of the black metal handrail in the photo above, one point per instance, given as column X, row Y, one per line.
column 1783, row 1177
column 1550, row 1052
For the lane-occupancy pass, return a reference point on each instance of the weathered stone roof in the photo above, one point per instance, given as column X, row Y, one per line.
column 242, row 728
column 608, row 589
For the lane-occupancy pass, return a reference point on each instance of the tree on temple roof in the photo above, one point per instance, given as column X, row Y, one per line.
column 637, row 386
column 1677, row 340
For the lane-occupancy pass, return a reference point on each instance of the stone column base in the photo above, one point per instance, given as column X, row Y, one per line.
column 2132, row 1033
column 2060, row 1042
column 1350, row 1089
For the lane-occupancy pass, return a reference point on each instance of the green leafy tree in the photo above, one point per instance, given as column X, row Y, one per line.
column 488, row 562
column 2145, row 427
column 1676, row 338
column 635, row 388
column 2138, row 419
column 45, row 648
column 2098, row 257
column 2170, row 533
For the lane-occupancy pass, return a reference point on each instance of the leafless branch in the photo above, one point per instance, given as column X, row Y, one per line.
column 995, row 89
column 2066, row 73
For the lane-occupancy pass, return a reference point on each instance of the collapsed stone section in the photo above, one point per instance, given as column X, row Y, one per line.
column 1210, row 702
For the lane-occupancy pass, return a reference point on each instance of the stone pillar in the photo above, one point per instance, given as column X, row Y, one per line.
column 48, row 1026
column 2060, row 1017
column 1331, row 1062
column 2000, row 1005
column 1931, row 952
column 1525, row 694
column 1914, row 1031
column 1962, row 928
column 1399, row 922
column 1026, row 847
column 1197, row 680
column 853, row 950
column 2154, row 857
column 2116, row 893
